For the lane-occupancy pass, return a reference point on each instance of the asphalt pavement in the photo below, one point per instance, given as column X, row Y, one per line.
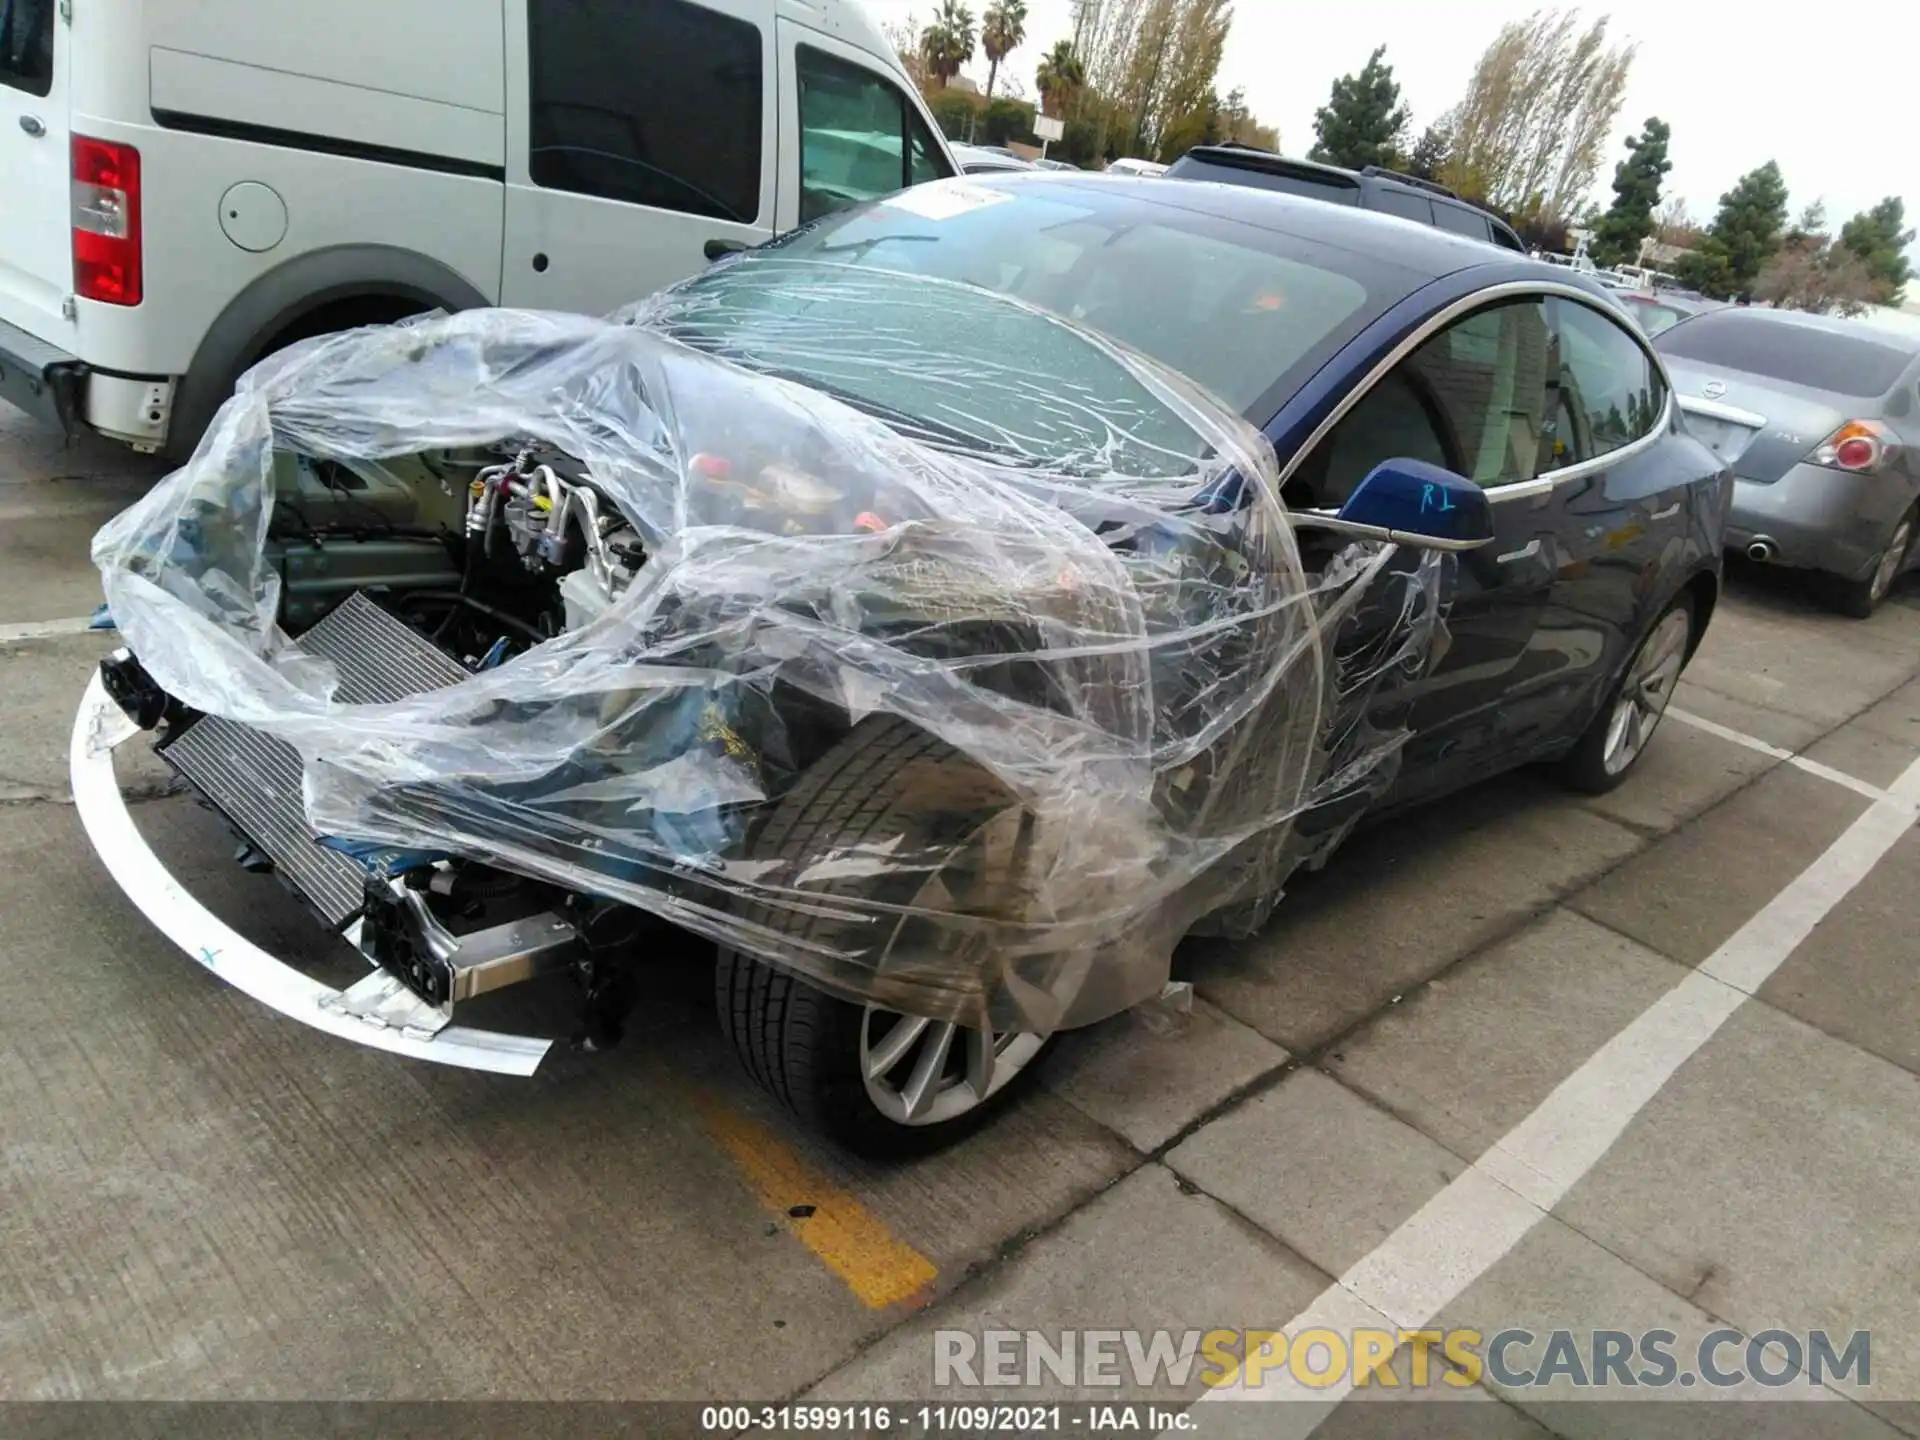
column 1522, row 1061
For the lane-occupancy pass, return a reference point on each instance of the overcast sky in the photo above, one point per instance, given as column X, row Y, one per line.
column 1831, row 91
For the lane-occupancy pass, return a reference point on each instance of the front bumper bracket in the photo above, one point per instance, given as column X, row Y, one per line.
column 403, row 1026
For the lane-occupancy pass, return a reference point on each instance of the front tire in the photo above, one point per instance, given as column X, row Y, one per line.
column 1619, row 734
column 881, row 1083
column 1858, row 599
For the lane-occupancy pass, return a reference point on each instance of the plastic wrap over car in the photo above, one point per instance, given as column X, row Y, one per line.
column 1080, row 600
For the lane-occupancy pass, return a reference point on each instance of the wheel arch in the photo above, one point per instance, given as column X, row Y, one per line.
column 394, row 281
column 1704, row 587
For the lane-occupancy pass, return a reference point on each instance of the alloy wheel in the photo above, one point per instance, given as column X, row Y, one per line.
column 928, row 1072
column 1646, row 691
column 1890, row 561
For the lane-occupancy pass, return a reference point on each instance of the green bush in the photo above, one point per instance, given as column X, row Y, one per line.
column 1006, row 120
column 953, row 113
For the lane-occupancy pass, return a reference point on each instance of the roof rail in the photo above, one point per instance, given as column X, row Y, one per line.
column 1434, row 187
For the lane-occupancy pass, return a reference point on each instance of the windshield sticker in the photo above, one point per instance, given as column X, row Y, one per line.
column 945, row 199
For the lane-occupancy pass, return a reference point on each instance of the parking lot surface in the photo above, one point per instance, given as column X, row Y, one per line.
column 1521, row 1060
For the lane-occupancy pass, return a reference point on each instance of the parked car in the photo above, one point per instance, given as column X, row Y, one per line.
column 982, row 160
column 1659, row 310
column 1046, row 164
column 1820, row 420
column 943, row 705
column 1147, row 168
column 189, row 187
column 1373, row 188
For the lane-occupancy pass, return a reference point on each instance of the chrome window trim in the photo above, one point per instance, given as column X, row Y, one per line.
column 1480, row 299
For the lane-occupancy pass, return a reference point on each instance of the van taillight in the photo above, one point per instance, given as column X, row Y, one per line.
column 106, row 221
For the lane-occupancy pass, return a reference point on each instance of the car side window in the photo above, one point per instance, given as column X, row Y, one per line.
column 1401, row 203
column 26, row 45
column 1461, row 221
column 1473, row 398
column 859, row 138
column 653, row 102
column 1610, row 394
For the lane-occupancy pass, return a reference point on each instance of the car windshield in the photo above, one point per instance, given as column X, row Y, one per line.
column 1655, row 317
column 1236, row 309
column 1853, row 365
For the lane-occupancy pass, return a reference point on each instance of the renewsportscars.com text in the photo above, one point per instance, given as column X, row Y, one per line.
column 1319, row 1359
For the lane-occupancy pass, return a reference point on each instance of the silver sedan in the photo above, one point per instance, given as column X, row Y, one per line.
column 1820, row 420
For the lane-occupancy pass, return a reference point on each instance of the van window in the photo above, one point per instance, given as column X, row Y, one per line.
column 654, row 102
column 859, row 138
column 26, row 45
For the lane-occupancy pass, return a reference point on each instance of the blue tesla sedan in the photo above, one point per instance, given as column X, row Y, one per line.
column 944, row 720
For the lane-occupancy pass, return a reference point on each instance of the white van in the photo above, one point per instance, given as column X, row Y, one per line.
column 186, row 185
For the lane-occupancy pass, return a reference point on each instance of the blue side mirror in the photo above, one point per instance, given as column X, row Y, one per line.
column 1413, row 503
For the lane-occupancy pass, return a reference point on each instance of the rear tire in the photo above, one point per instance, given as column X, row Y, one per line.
column 1614, row 743
column 1858, row 599
column 815, row 1052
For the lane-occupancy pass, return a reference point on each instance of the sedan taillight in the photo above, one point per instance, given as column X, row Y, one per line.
column 1863, row 447
column 106, row 221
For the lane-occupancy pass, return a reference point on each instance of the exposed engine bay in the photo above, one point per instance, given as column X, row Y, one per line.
column 406, row 576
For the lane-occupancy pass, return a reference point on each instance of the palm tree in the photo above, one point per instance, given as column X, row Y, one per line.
column 1002, row 30
column 1059, row 78
column 947, row 43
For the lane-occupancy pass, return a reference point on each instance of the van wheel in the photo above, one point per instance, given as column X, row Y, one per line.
column 880, row 1082
column 1619, row 734
column 1860, row 598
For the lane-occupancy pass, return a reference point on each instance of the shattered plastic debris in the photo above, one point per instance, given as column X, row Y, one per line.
column 1076, row 605
column 1169, row 1012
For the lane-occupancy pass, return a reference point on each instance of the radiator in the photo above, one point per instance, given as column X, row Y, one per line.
column 254, row 779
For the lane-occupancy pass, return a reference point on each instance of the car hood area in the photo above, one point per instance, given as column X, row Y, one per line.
column 1138, row 696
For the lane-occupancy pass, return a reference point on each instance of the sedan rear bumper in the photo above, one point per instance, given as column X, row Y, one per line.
column 1820, row 519
column 98, row 730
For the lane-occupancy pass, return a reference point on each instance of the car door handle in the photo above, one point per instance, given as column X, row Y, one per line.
column 1668, row 513
column 33, row 125
column 718, row 249
column 1525, row 552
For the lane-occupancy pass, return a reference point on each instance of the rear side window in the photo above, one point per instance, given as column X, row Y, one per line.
column 1606, row 393
column 859, row 138
column 1799, row 354
column 654, row 102
column 26, row 45
column 1406, row 205
column 1461, row 221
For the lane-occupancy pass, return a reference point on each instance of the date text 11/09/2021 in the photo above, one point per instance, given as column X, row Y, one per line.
column 936, row 1420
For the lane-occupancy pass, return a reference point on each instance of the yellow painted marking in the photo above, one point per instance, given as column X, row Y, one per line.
column 847, row 1238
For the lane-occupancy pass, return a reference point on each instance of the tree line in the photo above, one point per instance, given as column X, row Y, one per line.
column 1526, row 140
column 1137, row 77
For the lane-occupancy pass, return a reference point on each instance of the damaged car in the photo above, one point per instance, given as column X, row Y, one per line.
column 941, row 610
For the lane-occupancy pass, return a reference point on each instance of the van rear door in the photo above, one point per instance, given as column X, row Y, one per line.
column 36, row 244
column 639, row 132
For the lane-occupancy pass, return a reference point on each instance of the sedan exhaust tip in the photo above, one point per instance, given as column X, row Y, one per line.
column 1762, row 550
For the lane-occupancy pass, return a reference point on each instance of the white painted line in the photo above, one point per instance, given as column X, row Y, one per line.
column 1472, row 1224
column 46, row 629
column 1799, row 762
